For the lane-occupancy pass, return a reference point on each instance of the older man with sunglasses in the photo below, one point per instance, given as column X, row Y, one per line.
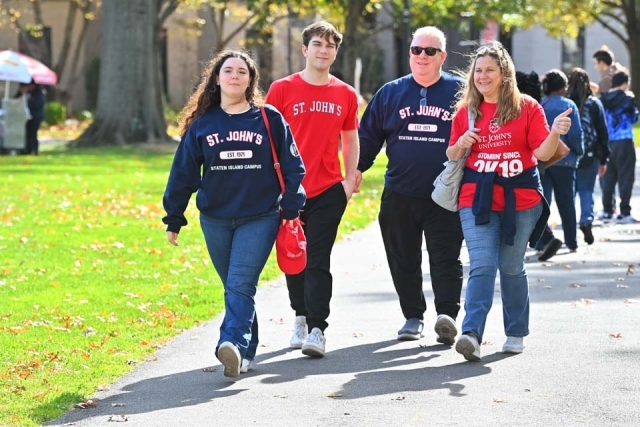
column 413, row 116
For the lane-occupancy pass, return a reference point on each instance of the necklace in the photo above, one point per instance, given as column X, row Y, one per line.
column 231, row 113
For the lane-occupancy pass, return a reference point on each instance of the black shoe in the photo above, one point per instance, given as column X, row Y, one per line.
column 550, row 249
column 588, row 235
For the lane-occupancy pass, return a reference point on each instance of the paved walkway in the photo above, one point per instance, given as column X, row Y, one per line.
column 580, row 365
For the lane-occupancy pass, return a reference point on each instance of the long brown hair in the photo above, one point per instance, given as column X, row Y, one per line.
column 578, row 88
column 207, row 94
column 509, row 98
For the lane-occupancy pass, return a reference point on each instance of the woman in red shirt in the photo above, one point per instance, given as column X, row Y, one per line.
column 501, row 203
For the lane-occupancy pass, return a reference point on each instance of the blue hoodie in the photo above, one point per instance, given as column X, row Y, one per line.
column 417, row 136
column 621, row 112
column 553, row 106
column 227, row 159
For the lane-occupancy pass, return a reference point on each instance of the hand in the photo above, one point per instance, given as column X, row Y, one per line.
column 562, row 123
column 356, row 189
column 172, row 237
column 602, row 169
column 469, row 138
column 349, row 186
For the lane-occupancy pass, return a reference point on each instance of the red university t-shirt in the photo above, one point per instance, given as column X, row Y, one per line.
column 507, row 150
column 316, row 115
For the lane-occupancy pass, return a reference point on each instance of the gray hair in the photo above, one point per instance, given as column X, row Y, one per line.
column 433, row 32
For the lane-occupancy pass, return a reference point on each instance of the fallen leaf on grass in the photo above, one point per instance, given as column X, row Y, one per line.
column 334, row 395
column 618, row 335
column 118, row 419
column 499, row 400
column 86, row 404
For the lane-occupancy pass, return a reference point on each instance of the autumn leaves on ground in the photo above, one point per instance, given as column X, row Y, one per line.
column 89, row 286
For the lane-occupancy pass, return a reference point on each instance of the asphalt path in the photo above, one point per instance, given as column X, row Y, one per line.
column 580, row 366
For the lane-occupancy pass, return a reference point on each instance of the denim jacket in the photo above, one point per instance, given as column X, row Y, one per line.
column 553, row 106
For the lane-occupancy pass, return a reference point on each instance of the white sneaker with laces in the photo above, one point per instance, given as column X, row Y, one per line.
column 513, row 345
column 247, row 365
column 469, row 347
column 314, row 344
column 229, row 356
column 299, row 332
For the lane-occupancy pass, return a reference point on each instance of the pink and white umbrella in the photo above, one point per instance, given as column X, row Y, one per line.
column 16, row 67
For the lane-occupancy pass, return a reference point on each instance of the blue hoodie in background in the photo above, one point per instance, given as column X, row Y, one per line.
column 621, row 112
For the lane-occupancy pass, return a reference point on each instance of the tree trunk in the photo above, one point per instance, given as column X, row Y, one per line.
column 130, row 108
column 348, row 51
column 634, row 58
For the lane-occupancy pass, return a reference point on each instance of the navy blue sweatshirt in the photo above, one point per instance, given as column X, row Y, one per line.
column 417, row 136
column 227, row 159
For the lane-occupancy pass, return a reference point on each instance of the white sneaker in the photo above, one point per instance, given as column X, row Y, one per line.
column 299, row 332
column 229, row 356
column 626, row 219
column 446, row 329
column 247, row 365
column 513, row 345
column 314, row 344
column 468, row 346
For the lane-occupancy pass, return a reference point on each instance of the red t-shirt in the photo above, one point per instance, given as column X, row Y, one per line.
column 507, row 150
column 316, row 115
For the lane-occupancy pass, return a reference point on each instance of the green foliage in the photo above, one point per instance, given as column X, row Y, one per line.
column 89, row 285
column 54, row 113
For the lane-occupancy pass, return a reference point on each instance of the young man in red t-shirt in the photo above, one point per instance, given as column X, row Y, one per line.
column 323, row 113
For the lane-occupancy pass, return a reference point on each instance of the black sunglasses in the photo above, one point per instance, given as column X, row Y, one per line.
column 430, row 51
column 423, row 94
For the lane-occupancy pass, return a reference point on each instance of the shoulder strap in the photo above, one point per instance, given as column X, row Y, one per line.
column 276, row 164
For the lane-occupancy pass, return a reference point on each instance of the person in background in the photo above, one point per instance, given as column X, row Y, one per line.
column 412, row 115
column 323, row 114
column 35, row 103
column 501, row 204
column 621, row 112
column 603, row 62
column 529, row 84
column 225, row 155
column 560, row 178
column 596, row 146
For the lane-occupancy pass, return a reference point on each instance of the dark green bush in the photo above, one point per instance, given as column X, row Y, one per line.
column 55, row 113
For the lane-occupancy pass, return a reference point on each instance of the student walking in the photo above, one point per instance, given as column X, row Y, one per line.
column 323, row 114
column 225, row 156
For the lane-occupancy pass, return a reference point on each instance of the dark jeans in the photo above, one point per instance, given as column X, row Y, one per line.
column 621, row 171
column 310, row 291
column 31, row 136
column 403, row 221
column 561, row 182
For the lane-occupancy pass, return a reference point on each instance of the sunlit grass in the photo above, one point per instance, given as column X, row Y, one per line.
column 89, row 287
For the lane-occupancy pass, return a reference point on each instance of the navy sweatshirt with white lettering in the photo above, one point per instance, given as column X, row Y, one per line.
column 417, row 135
column 227, row 159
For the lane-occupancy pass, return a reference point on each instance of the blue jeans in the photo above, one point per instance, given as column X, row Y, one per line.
column 239, row 249
column 560, row 181
column 585, row 186
column 488, row 252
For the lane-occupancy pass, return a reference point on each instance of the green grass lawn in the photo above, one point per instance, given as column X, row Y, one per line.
column 89, row 286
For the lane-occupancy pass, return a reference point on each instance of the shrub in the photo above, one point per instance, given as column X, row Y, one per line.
column 55, row 113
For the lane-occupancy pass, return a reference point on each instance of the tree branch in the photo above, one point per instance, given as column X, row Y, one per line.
column 165, row 9
column 617, row 33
